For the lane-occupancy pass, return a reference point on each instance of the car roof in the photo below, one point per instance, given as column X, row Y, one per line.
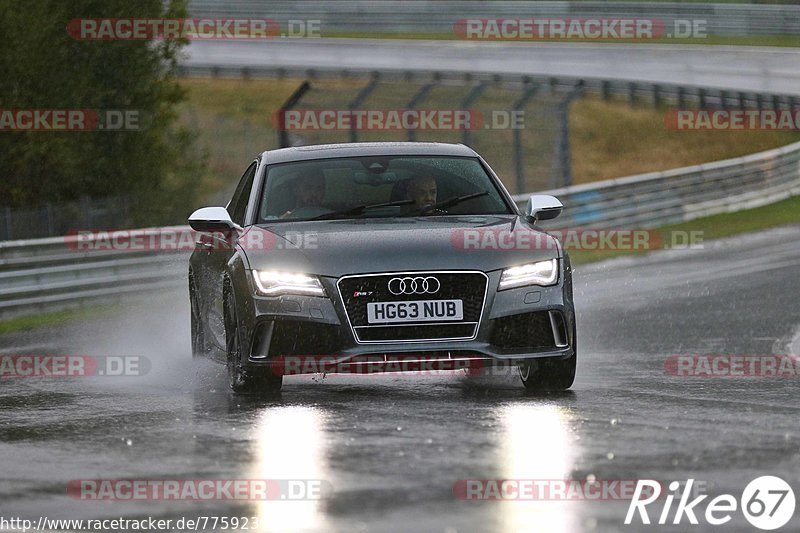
column 327, row 151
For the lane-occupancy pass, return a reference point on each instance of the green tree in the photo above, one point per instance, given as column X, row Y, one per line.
column 43, row 67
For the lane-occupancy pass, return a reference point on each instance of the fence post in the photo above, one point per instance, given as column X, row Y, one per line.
column 362, row 95
column 417, row 99
column 518, row 105
column 283, row 135
column 563, row 153
column 470, row 99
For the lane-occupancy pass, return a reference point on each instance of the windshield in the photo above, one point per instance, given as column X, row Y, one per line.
column 379, row 187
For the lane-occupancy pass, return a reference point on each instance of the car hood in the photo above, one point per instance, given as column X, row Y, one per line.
column 339, row 247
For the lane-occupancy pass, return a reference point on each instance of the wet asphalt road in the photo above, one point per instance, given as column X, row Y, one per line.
column 392, row 447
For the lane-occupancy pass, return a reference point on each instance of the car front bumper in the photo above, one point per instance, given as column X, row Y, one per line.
column 303, row 327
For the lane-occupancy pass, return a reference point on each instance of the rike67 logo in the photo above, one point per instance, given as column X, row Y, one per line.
column 767, row 503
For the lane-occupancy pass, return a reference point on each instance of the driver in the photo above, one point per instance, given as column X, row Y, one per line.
column 308, row 190
column 422, row 189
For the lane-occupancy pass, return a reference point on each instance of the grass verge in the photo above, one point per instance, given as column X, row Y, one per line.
column 54, row 318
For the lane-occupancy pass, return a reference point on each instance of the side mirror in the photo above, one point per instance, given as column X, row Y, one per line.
column 212, row 219
column 542, row 207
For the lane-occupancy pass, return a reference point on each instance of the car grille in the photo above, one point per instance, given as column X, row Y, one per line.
column 530, row 331
column 469, row 287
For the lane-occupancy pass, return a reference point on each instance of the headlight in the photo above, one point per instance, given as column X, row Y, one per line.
column 271, row 283
column 541, row 273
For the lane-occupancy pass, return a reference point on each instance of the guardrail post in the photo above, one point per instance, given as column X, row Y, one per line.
column 362, row 95
column 656, row 95
column 417, row 99
column 701, row 93
column 48, row 209
column 86, row 212
column 632, row 94
column 681, row 98
column 470, row 99
column 9, row 221
column 605, row 89
column 283, row 134
column 742, row 100
column 518, row 105
column 563, row 153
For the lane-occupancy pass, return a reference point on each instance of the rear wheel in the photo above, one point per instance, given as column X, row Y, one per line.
column 242, row 379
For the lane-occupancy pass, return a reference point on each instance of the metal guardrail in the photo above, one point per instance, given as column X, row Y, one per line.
column 49, row 274
column 56, row 273
column 438, row 17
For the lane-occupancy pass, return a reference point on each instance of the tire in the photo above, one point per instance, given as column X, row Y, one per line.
column 200, row 346
column 551, row 374
column 242, row 379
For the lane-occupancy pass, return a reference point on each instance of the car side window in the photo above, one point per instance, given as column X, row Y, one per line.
column 238, row 206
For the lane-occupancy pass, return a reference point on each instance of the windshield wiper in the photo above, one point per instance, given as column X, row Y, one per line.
column 357, row 210
column 450, row 202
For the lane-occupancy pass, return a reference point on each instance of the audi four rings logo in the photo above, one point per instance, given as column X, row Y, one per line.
column 417, row 285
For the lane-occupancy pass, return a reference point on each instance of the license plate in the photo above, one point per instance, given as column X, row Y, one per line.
column 414, row 311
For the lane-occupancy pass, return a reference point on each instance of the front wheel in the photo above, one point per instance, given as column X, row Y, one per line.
column 552, row 373
column 247, row 380
column 543, row 374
